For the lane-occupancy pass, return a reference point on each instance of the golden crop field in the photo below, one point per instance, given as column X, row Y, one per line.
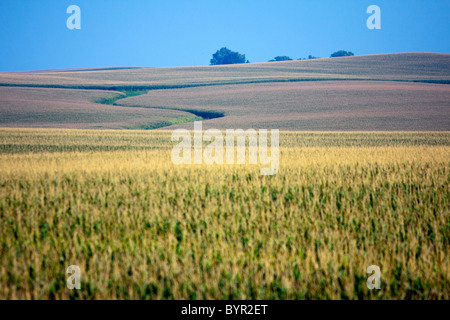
column 141, row 227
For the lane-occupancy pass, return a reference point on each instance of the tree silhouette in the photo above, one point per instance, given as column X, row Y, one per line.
column 226, row 56
column 342, row 53
column 280, row 58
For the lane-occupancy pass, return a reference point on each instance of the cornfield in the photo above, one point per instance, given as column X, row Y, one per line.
column 140, row 227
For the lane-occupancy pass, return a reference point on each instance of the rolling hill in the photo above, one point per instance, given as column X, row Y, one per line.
column 407, row 92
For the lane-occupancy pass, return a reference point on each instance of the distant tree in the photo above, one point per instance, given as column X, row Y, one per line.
column 342, row 53
column 280, row 58
column 226, row 56
column 310, row 57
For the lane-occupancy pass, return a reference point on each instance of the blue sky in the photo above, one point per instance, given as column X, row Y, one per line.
column 157, row 33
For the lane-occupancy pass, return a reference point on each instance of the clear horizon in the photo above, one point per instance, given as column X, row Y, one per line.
column 186, row 33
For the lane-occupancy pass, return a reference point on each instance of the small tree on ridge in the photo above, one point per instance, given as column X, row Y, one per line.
column 341, row 53
column 226, row 56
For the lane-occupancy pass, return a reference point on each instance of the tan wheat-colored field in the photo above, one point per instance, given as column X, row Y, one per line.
column 140, row 227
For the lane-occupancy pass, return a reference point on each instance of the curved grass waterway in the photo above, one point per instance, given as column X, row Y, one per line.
column 197, row 115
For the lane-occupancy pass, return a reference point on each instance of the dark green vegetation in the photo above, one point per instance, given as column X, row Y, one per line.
column 342, row 53
column 280, row 58
column 226, row 56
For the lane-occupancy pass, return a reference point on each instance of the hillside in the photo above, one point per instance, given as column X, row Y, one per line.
column 401, row 66
column 375, row 92
column 74, row 109
column 324, row 105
